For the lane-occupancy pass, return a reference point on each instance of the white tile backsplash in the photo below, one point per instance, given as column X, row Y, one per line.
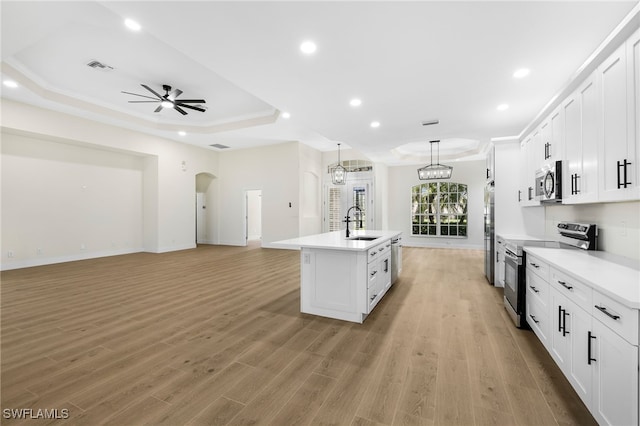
column 618, row 224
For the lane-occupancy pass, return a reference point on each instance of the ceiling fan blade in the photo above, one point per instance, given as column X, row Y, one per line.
column 180, row 110
column 173, row 95
column 151, row 90
column 192, row 101
column 135, row 94
column 191, row 107
column 158, row 109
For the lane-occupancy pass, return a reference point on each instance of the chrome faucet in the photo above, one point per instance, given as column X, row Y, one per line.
column 347, row 218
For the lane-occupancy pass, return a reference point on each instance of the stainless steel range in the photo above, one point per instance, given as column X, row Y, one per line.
column 571, row 236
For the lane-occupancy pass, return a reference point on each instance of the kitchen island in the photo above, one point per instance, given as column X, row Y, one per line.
column 344, row 278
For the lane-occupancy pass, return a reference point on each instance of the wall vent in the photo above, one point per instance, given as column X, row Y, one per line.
column 219, row 146
column 99, row 65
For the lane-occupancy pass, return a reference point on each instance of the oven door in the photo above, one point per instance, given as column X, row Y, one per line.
column 513, row 287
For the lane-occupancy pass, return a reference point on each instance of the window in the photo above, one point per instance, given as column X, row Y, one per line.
column 439, row 209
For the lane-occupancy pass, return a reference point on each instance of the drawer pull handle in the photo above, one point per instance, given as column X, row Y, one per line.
column 534, row 265
column 534, row 319
column 607, row 313
column 373, row 273
column 564, row 284
column 534, row 289
column 373, row 297
column 373, row 253
column 381, row 249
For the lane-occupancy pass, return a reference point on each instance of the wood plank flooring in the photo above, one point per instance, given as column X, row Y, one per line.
column 214, row 336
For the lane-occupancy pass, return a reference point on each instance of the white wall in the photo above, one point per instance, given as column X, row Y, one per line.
column 274, row 170
column 402, row 178
column 168, row 198
column 254, row 214
column 62, row 202
column 310, row 170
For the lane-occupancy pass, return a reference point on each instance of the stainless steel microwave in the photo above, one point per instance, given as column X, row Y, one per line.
column 549, row 183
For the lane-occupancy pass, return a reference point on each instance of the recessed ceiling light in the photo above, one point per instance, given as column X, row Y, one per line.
column 375, row 124
column 521, row 73
column 182, row 133
column 502, row 107
column 10, row 83
column 286, row 115
column 355, row 102
column 132, row 25
column 308, row 47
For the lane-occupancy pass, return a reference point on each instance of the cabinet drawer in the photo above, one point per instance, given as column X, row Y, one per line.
column 576, row 291
column 539, row 319
column 538, row 267
column 619, row 318
column 538, row 289
column 373, row 270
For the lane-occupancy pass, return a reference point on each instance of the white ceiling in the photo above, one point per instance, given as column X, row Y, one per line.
column 407, row 61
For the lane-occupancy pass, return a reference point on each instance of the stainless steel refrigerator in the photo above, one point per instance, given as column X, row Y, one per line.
column 489, row 233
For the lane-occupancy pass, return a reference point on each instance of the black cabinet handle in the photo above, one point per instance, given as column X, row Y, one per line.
column 607, row 313
column 564, row 284
column 519, row 195
column 487, row 173
column 577, row 191
column 373, row 273
column 559, row 319
column 373, row 297
column 534, row 289
column 589, row 337
column 565, row 314
column 535, row 265
column 547, row 150
column 534, row 319
column 386, row 265
column 530, row 192
column 622, row 183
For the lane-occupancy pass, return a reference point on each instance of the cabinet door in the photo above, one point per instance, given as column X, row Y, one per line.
column 578, row 324
column 633, row 111
column 615, row 144
column 581, row 149
column 615, row 399
column 555, row 149
column 558, row 337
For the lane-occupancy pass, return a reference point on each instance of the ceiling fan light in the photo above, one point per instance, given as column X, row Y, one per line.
column 166, row 104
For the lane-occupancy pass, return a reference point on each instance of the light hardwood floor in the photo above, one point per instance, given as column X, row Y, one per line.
column 214, row 335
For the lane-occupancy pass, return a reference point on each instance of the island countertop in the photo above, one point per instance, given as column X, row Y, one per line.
column 336, row 240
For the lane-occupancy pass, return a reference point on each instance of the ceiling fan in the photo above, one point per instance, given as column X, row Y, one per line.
column 169, row 100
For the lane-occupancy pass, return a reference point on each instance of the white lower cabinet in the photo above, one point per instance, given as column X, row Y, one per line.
column 615, row 377
column 594, row 341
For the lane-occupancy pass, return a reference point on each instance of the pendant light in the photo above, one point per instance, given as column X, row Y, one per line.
column 339, row 173
column 437, row 170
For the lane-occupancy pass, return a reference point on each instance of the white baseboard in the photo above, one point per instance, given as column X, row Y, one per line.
column 41, row 261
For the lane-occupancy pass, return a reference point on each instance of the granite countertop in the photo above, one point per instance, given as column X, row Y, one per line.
column 618, row 281
column 336, row 240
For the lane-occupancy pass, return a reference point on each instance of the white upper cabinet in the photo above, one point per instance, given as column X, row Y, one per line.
column 527, row 191
column 580, row 180
column 552, row 130
column 619, row 83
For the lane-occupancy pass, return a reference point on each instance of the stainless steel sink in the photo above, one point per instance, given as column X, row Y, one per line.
column 362, row 238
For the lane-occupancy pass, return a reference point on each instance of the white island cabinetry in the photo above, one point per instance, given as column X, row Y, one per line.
column 343, row 278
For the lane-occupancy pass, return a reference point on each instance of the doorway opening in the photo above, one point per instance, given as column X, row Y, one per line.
column 205, row 195
column 253, row 216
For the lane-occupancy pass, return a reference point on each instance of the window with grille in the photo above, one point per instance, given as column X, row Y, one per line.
column 334, row 208
column 439, row 209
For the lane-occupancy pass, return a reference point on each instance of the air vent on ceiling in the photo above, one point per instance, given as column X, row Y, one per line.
column 99, row 65
column 219, row 146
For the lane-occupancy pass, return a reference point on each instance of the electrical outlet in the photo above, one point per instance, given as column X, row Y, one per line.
column 623, row 229
column 10, row 253
column 39, row 251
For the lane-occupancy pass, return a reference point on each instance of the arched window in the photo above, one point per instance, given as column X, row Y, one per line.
column 439, row 209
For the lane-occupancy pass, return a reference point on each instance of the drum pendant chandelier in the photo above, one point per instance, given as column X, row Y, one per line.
column 437, row 170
